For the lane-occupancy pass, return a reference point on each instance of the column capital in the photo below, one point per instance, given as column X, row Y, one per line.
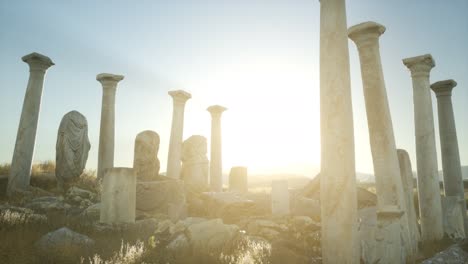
column 109, row 80
column 366, row 33
column 443, row 88
column 37, row 61
column 216, row 110
column 180, row 96
column 420, row 65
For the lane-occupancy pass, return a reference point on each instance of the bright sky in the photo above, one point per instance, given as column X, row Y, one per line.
column 258, row 58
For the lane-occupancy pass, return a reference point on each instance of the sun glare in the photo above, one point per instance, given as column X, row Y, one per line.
column 272, row 123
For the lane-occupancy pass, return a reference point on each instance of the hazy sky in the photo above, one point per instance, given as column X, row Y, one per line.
column 258, row 58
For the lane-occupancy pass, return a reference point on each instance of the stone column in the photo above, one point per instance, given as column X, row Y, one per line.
column 386, row 167
column 406, row 173
column 430, row 206
column 338, row 177
column 118, row 200
column 107, row 130
column 20, row 172
column 279, row 197
column 216, row 166
column 453, row 180
column 177, row 131
column 238, row 179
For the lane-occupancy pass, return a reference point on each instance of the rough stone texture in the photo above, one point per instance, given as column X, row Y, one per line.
column 453, row 217
column 118, row 196
column 195, row 161
column 338, row 184
column 452, row 255
column 279, row 197
column 306, row 207
column 389, row 245
column 64, row 241
column 406, row 173
column 163, row 197
column 20, row 171
column 238, row 179
column 430, row 206
column 145, row 159
column 72, row 147
column 48, row 204
column 107, row 129
column 216, row 166
column 210, row 236
column 92, row 213
column 175, row 143
column 384, row 156
column 453, row 179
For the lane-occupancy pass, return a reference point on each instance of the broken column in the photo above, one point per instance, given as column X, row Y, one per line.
column 453, row 179
column 21, row 164
column 194, row 161
column 107, row 129
column 177, row 131
column 118, row 198
column 238, row 179
column 216, row 166
column 338, row 177
column 279, row 197
column 406, row 173
column 430, row 206
column 384, row 156
column 145, row 159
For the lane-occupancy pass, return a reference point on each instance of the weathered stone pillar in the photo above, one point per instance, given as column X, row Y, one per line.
column 20, row 172
column 118, row 200
column 177, row 131
column 238, row 179
column 145, row 157
column 107, row 130
column 388, row 235
column 406, row 173
column 453, row 179
column 216, row 166
column 430, row 206
column 279, row 197
column 386, row 168
column 338, row 183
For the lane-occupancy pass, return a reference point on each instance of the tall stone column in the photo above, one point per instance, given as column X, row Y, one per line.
column 20, row 172
column 107, row 130
column 430, row 206
column 386, row 167
column 338, row 177
column 216, row 166
column 177, row 130
column 453, row 180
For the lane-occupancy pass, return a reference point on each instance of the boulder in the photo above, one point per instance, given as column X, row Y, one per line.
column 92, row 213
column 211, row 236
column 48, row 204
column 64, row 242
column 453, row 255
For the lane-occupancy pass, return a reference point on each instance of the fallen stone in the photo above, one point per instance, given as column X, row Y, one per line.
column 64, row 242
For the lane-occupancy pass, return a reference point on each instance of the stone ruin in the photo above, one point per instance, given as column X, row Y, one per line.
column 145, row 160
column 72, row 147
column 194, row 161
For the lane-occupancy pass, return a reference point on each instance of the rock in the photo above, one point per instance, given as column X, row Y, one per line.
column 64, row 242
column 92, row 213
column 48, row 203
column 452, row 255
column 72, row 147
column 194, row 161
column 146, row 162
column 180, row 246
column 160, row 196
column 78, row 192
column 210, row 236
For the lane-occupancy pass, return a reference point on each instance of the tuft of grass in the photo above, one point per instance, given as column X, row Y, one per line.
column 128, row 254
